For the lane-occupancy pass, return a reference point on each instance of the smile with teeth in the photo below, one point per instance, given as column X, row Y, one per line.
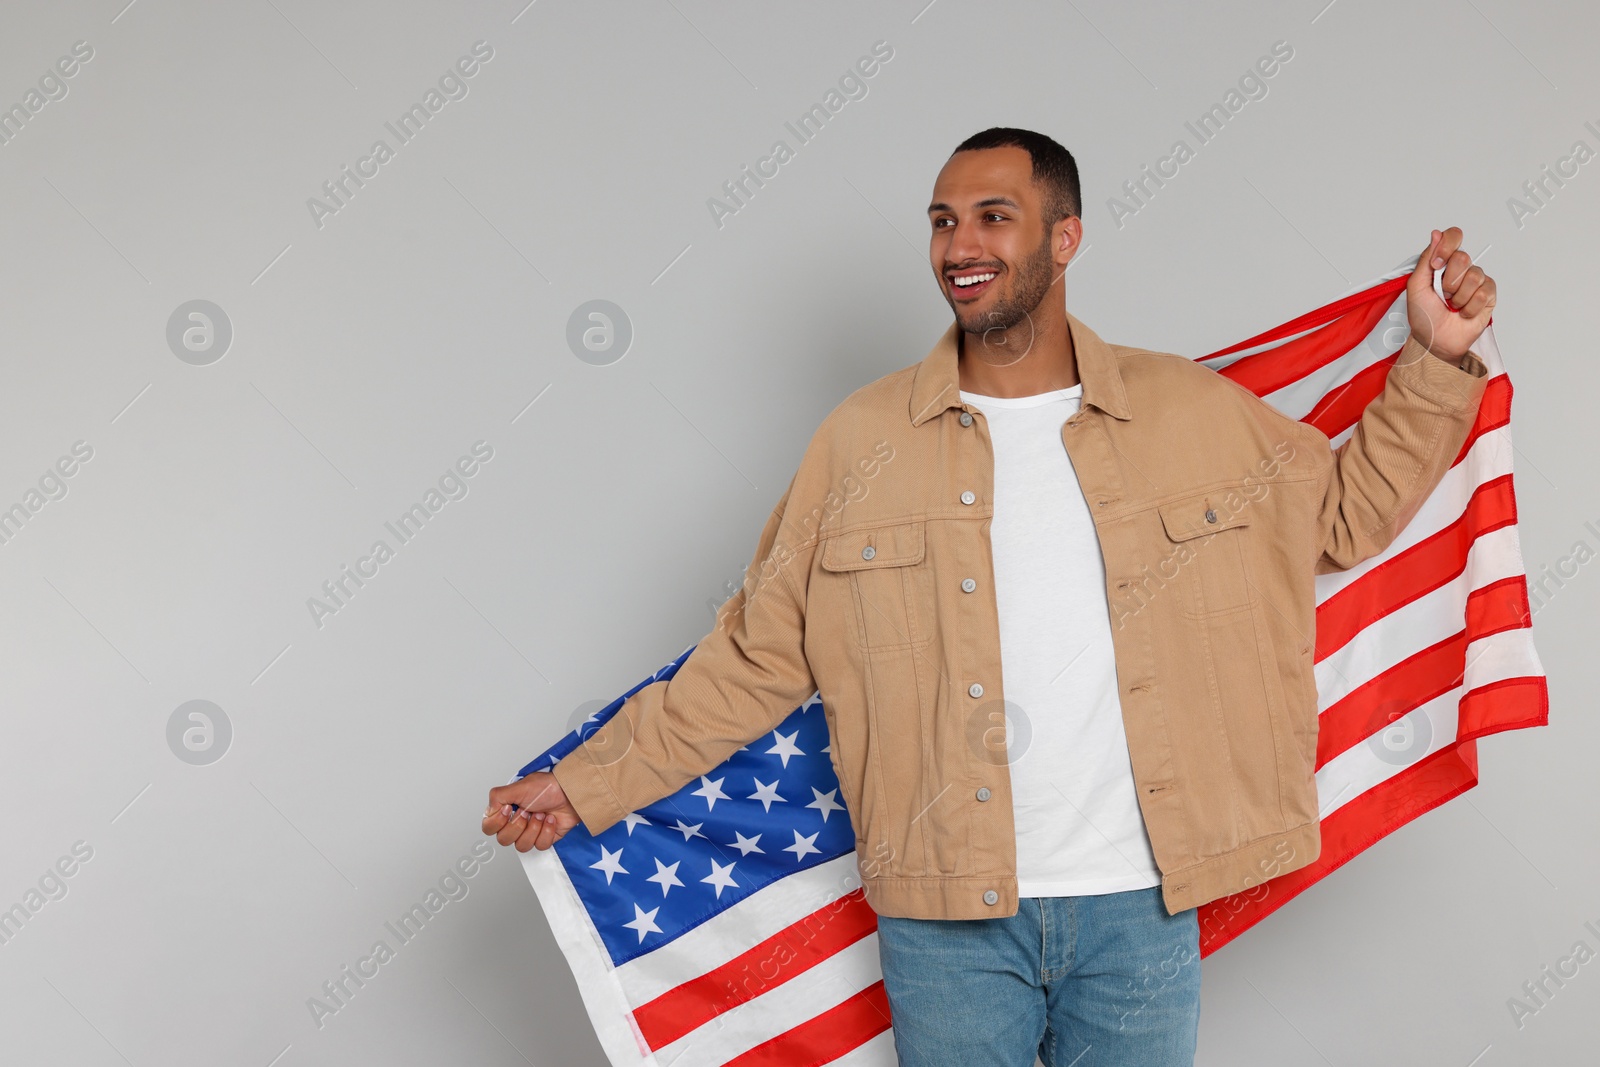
column 968, row 287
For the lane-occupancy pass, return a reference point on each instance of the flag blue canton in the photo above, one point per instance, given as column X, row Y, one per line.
column 769, row 810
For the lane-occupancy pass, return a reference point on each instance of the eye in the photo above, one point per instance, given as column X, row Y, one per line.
column 995, row 215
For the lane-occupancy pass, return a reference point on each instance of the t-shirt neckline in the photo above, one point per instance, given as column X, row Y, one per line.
column 1071, row 392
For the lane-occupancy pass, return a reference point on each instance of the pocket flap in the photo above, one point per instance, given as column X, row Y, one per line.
column 1186, row 517
column 891, row 546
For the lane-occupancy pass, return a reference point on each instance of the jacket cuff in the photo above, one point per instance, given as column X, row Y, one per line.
column 588, row 792
column 1456, row 389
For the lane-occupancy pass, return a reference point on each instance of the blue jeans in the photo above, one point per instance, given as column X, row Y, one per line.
column 1090, row 981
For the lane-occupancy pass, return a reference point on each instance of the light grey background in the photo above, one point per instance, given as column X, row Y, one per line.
column 622, row 501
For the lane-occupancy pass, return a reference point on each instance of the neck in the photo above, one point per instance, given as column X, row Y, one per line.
column 1034, row 356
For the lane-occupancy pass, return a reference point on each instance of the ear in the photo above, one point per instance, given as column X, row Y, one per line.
column 1067, row 236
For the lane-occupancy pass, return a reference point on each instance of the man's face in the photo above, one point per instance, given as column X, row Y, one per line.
column 987, row 219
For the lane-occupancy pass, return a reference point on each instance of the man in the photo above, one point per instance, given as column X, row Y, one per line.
column 1139, row 535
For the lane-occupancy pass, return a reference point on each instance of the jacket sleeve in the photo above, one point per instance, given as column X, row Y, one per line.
column 739, row 682
column 1372, row 485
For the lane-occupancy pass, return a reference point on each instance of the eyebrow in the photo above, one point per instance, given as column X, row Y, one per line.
column 1002, row 201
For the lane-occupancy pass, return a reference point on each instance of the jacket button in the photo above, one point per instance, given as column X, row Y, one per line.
column 975, row 689
column 983, row 792
column 868, row 552
column 966, row 418
column 1211, row 516
column 968, row 585
column 968, row 497
column 990, row 896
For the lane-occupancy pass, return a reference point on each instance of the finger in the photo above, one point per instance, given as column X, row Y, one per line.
column 548, row 833
column 529, row 839
column 1422, row 273
column 557, row 825
column 496, row 817
column 515, row 827
column 1471, row 282
column 1449, row 241
column 1482, row 300
column 1475, row 304
column 503, row 800
column 509, row 829
column 1455, row 268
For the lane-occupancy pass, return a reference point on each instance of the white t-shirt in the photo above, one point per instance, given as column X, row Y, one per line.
column 1079, row 828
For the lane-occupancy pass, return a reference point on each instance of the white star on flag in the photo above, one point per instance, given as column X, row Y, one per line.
column 825, row 802
column 721, row 877
column 803, row 845
column 766, row 793
column 667, row 876
column 712, row 791
column 610, row 862
column 746, row 845
column 644, row 921
column 785, row 747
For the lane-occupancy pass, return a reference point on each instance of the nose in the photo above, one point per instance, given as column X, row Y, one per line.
column 964, row 244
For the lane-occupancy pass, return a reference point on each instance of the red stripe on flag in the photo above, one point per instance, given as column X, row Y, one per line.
column 1417, row 571
column 826, row 1036
column 1267, row 372
column 1501, row 605
column 1417, row 679
column 789, row 952
column 1508, row 704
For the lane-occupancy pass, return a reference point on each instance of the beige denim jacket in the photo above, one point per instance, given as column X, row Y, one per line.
column 872, row 584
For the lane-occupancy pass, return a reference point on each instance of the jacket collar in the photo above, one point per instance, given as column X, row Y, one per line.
column 937, row 385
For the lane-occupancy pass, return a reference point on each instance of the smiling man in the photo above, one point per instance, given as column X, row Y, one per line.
column 1044, row 790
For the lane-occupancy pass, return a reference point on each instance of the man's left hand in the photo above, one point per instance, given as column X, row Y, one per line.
column 1448, row 329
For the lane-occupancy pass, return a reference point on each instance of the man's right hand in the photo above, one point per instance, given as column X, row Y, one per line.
column 543, row 818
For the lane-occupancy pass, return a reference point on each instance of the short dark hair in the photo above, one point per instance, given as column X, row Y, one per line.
column 1054, row 169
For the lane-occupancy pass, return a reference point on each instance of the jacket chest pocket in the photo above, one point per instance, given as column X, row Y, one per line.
column 1209, row 535
column 890, row 585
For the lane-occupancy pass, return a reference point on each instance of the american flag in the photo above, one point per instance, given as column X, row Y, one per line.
column 725, row 924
